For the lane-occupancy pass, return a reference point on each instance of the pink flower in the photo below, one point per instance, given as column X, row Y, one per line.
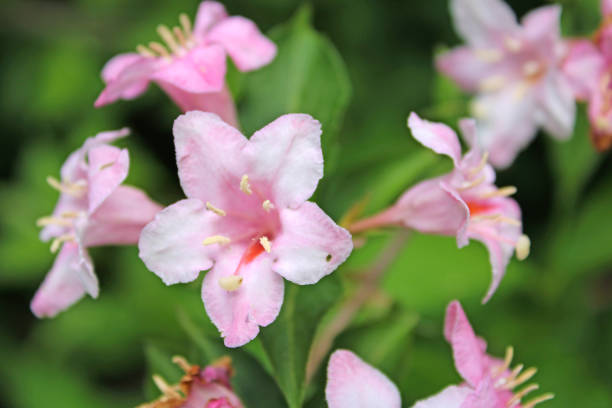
column 247, row 217
column 464, row 202
column 190, row 68
column 352, row 383
column 589, row 68
column 515, row 69
column 199, row 388
column 489, row 382
column 93, row 210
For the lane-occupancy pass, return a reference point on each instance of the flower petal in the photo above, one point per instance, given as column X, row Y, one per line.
column 287, row 153
column 257, row 302
column 483, row 22
column 352, row 383
column 208, row 155
column 209, row 13
column 108, row 168
column 467, row 352
column 582, row 67
column 606, row 7
column 542, row 26
column 171, row 245
column 556, row 107
column 435, row 136
column 310, row 245
column 126, row 77
column 121, row 218
column 211, row 395
column 68, row 280
column 450, row 397
column 468, row 66
column 245, row 44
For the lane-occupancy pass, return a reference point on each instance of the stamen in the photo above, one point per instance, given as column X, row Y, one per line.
column 57, row 242
column 165, row 388
column 178, row 33
column 71, row 214
column 512, row 44
column 230, row 283
column 166, row 35
column 186, row 24
column 144, row 51
column 522, row 247
column 469, row 184
column 492, row 83
column 525, row 376
column 106, row 165
column 531, row 68
column 267, row 205
column 214, row 209
column 481, row 165
column 532, row 403
column 61, row 222
column 517, row 397
column 74, row 189
column 520, row 91
column 507, row 361
column 488, row 55
column 160, row 49
column 216, row 239
column 500, row 192
column 511, row 378
column 181, row 362
column 265, row 243
column 245, row 187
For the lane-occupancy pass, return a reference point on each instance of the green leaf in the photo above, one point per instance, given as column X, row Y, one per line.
column 307, row 76
column 287, row 341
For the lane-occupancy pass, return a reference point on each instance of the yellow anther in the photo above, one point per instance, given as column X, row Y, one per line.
column 165, row 388
column 214, row 209
column 481, row 164
column 478, row 109
column 230, row 283
column 178, row 33
column 144, row 51
column 532, row 403
column 61, row 222
column 507, row 361
column 265, row 243
column 531, row 68
column 267, row 205
column 488, row 55
column 522, row 247
column 492, row 83
column 512, row 44
column 245, row 187
column 160, row 49
column 166, row 35
column 71, row 214
column 500, row 192
column 469, row 184
column 181, row 362
column 216, row 239
column 74, row 189
column 186, row 24
column 510, row 379
column 58, row 241
column 517, row 397
column 521, row 379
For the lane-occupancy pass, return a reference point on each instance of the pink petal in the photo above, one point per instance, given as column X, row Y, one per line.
column 557, row 107
column 606, row 7
column 582, row 67
column 466, row 67
column 208, row 153
column 287, row 153
column 542, row 26
column 467, row 353
column 211, row 395
column 483, row 22
column 126, row 77
column 255, row 303
column 108, row 168
column 310, row 245
column 171, row 245
column 209, row 14
column 201, row 70
column 435, row 136
column 68, row 280
column 450, row 397
column 121, row 218
column 487, row 396
column 245, row 44
column 352, row 383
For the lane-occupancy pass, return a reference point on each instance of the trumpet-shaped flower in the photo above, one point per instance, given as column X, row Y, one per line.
column 489, row 382
column 246, row 217
column 464, row 202
column 93, row 209
column 191, row 66
column 199, row 388
column 515, row 70
column 352, row 383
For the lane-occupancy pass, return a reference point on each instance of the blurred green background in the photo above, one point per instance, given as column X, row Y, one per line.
column 555, row 308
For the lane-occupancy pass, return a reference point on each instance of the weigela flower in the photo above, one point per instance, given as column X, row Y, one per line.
column 352, row 383
column 93, row 210
column 199, row 388
column 247, row 217
column 489, row 382
column 515, row 69
column 589, row 67
column 464, row 202
column 191, row 66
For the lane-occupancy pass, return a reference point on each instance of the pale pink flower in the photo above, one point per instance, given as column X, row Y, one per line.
column 199, row 388
column 246, row 217
column 352, row 383
column 515, row 70
column 93, row 210
column 489, row 382
column 464, row 202
column 191, row 66
column 589, row 68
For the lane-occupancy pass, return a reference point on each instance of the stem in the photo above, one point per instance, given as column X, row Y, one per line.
column 351, row 306
column 384, row 218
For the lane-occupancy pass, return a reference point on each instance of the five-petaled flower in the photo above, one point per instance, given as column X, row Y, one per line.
column 198, row 388
column 191, row 67
column 516, row 71
column 93, row 209
column 247, row 217
column 489, row 382
column 352, row 383
column 589, row 67
column 464, row 202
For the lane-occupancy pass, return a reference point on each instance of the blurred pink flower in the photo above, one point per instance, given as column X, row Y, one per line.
column 352, row 383
column 464, row 202
column 93, row 209
column 489, row 382
column 589, row 68
column 247, row 217
column 515, row 70
column 191, row 66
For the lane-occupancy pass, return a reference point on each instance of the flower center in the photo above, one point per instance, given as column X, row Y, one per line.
column 176, row 41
